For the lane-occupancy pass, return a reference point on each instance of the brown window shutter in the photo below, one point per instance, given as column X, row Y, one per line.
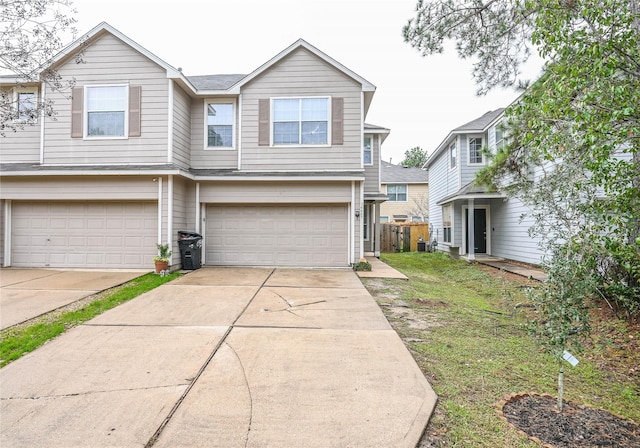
column 337, row 121
column 264, row 113
column 77, row 103
column 135, row 100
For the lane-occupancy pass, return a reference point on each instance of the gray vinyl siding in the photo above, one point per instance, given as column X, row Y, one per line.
column 22, row 146
column 79, row 188
column 210, row 158
column 372, row 172
column 442, row 182
column 275, row 192
column 110, row 61
column 302, row 74
column 509, row 237
column 181, row 128
column 468, row 172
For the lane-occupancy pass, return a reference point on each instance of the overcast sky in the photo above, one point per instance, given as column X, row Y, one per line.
column 419, row 99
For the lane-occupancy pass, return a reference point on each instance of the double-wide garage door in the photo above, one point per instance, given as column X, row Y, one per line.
column 84, row 234
column 277, row 235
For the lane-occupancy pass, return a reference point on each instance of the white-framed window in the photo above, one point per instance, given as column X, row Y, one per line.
column 106, row 111
column 499, row 138
column 397, row 193
column 301, row 121
column 417, row 219
column 367, row 151
column 475, row 151
column 453, row 155
column 384, row 219
column 220, row 128
column 26, row 101
column 447, row 223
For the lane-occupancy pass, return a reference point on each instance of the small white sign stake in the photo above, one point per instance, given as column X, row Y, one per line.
column 570, row 358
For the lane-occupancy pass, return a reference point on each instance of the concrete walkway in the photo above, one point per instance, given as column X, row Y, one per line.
column 380, row 270
column 226, row 357
column 514, row 268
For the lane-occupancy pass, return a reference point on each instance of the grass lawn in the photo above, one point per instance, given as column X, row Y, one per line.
column 459, row 322
column 22, row 339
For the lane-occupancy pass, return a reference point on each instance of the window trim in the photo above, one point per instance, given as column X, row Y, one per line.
column 16, row 99
column 469, row 138
column 364, row 139
column 85, row 114
column 272, row 101
column 406, row 193
column 234, row 105
column 453, row 145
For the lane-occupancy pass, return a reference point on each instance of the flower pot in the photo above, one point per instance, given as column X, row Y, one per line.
column 161, row 266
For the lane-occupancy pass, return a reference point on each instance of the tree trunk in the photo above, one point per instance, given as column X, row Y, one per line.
column 560, row 388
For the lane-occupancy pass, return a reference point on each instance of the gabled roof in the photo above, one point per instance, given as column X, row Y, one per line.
column 479, row 125
column 301, row 43
column 391, row 174
column 471, row 191
column 100, row 29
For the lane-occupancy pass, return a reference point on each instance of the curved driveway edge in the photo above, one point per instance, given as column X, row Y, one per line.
column 224, row 357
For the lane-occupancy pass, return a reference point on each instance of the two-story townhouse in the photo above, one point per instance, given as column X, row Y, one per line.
column 276, row 167
column 407, row 190
column 457, row 205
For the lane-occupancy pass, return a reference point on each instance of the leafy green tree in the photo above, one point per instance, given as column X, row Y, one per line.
column 415, row 157
column 574, row 137
column 32, row 33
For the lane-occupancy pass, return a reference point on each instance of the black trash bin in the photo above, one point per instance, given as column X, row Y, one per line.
column 422, row 245
column 190, row 249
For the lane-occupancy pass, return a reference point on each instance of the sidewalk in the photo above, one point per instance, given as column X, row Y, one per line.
column 380, row 270
column 514, row 268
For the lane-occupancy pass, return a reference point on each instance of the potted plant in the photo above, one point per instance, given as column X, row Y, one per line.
column 162, row 259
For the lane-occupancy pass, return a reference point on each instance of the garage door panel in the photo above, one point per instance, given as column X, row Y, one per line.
column 277, row 235
column 84, row 234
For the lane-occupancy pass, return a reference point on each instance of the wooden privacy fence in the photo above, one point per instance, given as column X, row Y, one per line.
column 404, row 237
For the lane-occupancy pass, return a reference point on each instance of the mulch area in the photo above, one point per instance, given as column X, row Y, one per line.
column 576, row 427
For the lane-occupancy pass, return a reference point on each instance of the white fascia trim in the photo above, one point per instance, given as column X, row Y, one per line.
column 42, row 117
column 96, row 173
column 170, row 122
column 277, row 178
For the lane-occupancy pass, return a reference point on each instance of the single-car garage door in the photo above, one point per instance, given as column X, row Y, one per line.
column 84, row 234
column 277, row 235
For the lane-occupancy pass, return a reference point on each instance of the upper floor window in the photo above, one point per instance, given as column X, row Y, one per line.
column 397, row 193
column 367, row 151
column 26, row 105
column 499, row 138
column 475, row 151
column 453, row 155
column 301, row 121
column 106, row 111
column 220, row 124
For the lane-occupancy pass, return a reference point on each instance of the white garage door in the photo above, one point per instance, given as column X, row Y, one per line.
column 278, row 235
column 84, row 234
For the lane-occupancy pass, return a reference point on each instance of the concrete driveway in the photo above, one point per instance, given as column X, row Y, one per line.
column 224, row 357
column 28, row 293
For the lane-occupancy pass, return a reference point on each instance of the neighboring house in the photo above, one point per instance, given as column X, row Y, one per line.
column 273, row 168
column 456, row 205
column 407, row 189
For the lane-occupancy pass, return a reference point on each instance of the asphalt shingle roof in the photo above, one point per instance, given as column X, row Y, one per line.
column 391, row 173
column 482, row 122
column 214, row 82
